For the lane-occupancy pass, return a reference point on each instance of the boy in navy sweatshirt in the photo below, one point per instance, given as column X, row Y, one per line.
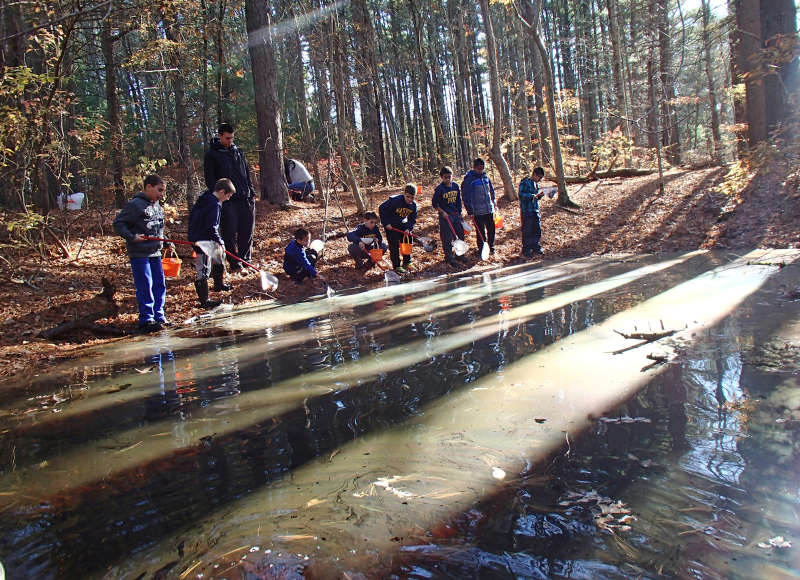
column 299, row 260
column 447, row 201
column 399, row 212
column 143, row 217
column 204, row 226
column 529, row 196
column 358, row 249
column 478, row 194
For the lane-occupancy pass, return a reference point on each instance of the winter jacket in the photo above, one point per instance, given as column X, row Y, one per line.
column 141, row 216
column 204, row 219
column 221, row 162
column 528, row 190
column 448, row 198
column 295, row 260
column 395, row 210
column 296, row 172
column 477, row 193
column 361, row 231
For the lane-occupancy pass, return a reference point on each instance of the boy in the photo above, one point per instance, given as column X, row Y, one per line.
column 143, row 216
column 447, row 201
column 399, row 212
column 478, row 194
column 298, row 260
column 204, row 226
column 357, row 249
column 300, row 182
column 529, row 196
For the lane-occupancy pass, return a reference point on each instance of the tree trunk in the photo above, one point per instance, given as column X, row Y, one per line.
column 298, row 83
column 669, row 119
column 747, row 44
column 563, row 196
column 521, row 70
column 113, row 113
column 270, row 137
column 618, row 73
column 496, row 152
column 712, row 95
column 366, row 73
column 219, row 29
column 181, row 123
column 779, row 21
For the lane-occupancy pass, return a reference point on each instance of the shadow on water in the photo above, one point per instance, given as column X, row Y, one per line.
column 86, row 528
column 684, row 479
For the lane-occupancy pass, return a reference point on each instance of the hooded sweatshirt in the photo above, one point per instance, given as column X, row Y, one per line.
column 295, row 260
column 395, row 209
column 228, row 162
column 204, row 219
column 141, row 216
column 477, row 193
column 448, row 198
column 361, row 231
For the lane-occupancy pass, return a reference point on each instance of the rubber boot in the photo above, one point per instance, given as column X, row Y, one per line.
column 201, row 286
column 217, row 272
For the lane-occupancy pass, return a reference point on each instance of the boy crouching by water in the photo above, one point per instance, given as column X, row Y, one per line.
column 366, row 237
column 204, row 227
column 141, row 218
column 299, row 260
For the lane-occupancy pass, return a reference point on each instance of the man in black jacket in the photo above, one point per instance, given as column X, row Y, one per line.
column 225, row 160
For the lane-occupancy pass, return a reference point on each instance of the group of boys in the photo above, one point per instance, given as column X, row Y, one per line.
column 398, row 215
column 141, row 224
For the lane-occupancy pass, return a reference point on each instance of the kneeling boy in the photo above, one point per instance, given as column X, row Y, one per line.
column 358, row 249
column 299, row 260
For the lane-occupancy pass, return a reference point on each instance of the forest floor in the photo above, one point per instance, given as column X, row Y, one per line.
column 621, row 215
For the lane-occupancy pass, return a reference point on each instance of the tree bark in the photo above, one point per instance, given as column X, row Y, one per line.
column 705, row 9
column 496, row 152
column 779, row 20
column 669, row 120
column 270, row 137
column 113, row 113
column 563, row 196
column 747, row 43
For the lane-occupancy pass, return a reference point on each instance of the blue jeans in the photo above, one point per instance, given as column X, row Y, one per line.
column 151, row 289
column 304, row 187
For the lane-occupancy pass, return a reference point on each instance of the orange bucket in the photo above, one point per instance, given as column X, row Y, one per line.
column 171, row 265
column 405, row 246
column 498, row 221
column 376, row 254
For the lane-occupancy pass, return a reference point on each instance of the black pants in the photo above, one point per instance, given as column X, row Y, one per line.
column 486, row 229
column 394, row 238
column 447, row 234
column 236, row 226
column 531, row 233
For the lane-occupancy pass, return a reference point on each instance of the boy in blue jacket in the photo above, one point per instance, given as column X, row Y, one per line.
column 357, row 249
column 478, row 195
column 529, row 196
column 143, row 216
column 447, row 201
column 299, row 260
column 204, row 226
column 399, row 212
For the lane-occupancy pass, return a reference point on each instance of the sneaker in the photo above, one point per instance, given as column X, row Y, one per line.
column 527, row 254
column 401, row 270
column 462, row 259
column 539, row 252
column 165, row 323
column 150, row 327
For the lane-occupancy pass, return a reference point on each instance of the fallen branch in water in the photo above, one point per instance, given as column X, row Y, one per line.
column 648, row 336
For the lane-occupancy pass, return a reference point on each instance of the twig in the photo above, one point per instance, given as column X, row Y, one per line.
column 647, row 336
column 61, row 244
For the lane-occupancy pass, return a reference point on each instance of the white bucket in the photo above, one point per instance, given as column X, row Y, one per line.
column 75, row 200
column 459, row 247
column 317, row 246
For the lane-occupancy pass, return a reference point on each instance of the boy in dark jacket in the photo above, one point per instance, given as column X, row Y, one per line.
column 225, row 160
column 204, row 226
column 447, row 201
column 358, row 249
column 478, row 195
column 299, row 261
column 529, row 196
column 399, row 212
column 143, row 216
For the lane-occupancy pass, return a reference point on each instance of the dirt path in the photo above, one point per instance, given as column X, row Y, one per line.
column 615, row 216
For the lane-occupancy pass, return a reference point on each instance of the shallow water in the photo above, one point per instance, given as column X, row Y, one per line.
column 470, row 426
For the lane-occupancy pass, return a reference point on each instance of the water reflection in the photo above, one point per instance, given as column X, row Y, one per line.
column 208, row 427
